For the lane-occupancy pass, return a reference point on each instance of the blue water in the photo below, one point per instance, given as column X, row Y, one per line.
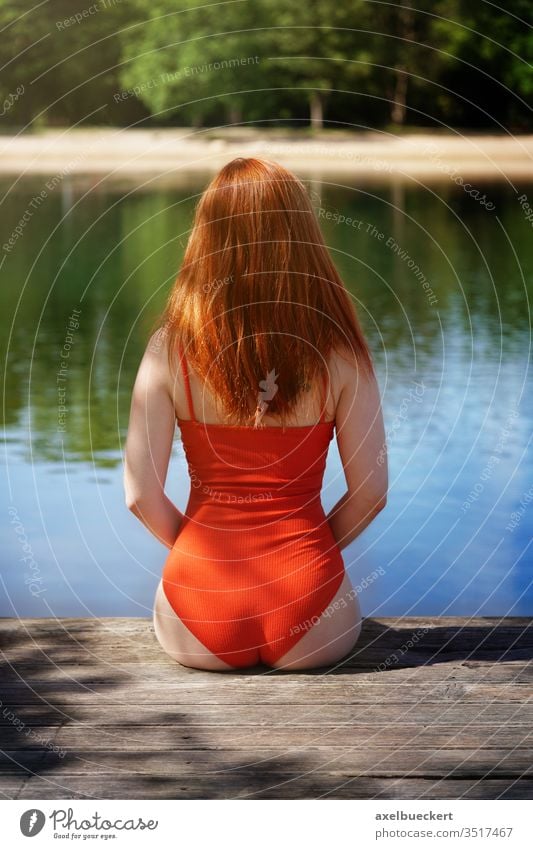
column 455, row 537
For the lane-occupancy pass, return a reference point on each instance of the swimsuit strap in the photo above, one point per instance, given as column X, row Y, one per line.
column 323, row 414
column 188, row 392
column 187, row 385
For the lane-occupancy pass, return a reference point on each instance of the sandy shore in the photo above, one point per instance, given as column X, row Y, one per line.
column 173, row 153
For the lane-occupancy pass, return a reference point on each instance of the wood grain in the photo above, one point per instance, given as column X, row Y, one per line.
column 422, row 709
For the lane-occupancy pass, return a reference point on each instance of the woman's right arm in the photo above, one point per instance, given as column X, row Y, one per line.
column 363, row 452
column 149, row 446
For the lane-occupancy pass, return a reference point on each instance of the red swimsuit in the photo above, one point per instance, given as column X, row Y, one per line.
column 255, row 562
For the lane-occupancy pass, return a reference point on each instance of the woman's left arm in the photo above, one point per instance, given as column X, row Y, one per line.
column 149, row 445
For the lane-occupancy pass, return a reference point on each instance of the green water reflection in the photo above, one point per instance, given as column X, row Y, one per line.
column 444, row 291
column 112, row 254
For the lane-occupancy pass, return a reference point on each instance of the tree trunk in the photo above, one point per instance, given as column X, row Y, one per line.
column 317, row 110
column 234, row 115
column 406, row 31
column 399, row 103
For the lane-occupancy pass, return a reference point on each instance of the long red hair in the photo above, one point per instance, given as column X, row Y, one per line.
column 258, row 293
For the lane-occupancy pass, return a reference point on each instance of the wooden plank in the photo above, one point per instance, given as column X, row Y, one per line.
column 157, row 671
column 450, row 716
column 139, row 624
column 296, row 761
column 10, row 787
column 344, row 713
column 422, row 636
column 381, row 652
column 109, row 690
column 110, row 658
column 185, row 735
column 377, row 654
column 306, row 787
column 414, row 639
column 172, row 669
column 425, row 631
column 264, row 713
column 388, row 651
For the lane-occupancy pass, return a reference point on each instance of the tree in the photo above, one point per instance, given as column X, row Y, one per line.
column 193, row 61
column 499, row 54
column 66, row 62
column 412, row 45
column 64, row 58
column 319, row 47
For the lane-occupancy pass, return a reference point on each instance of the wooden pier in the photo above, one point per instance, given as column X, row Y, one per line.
column 422, row 709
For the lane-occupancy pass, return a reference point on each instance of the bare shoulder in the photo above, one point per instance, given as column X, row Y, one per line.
column 154, row 367
column 350, row 377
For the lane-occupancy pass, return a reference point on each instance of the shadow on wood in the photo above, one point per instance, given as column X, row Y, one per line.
column 422, row 708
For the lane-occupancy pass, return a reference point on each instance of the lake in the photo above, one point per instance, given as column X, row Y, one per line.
column 443, row 284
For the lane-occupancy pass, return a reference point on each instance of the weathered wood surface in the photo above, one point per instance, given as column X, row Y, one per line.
column 423, row 708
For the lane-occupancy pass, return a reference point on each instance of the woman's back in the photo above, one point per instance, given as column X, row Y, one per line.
column 262, row 316
column 255, row 555
column 193, row 399
column 238, row 464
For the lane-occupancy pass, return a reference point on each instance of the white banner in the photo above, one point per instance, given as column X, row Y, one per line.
column 256, row 824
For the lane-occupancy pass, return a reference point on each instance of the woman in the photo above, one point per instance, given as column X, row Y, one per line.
column 259, row 358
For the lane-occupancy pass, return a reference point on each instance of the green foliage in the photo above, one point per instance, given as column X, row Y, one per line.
column 68, row 66
column 194, row 60
column 506, row 51
column 203, row 63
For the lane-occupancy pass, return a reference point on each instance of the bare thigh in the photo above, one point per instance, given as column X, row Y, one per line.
column 332, row 637
column 180, row 643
